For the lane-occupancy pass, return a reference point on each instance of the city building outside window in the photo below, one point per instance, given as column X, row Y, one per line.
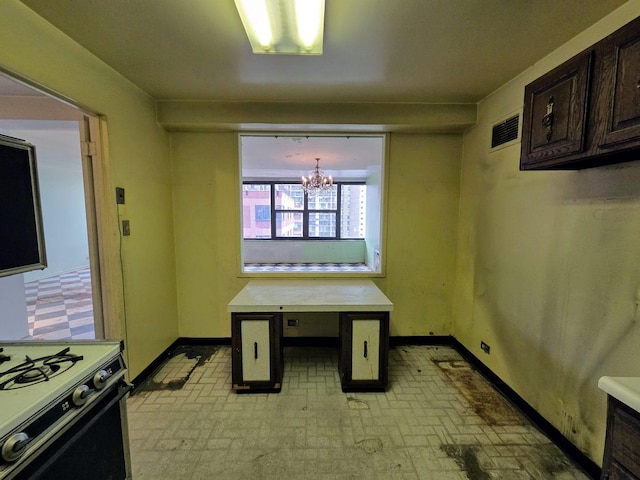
column 274, row 210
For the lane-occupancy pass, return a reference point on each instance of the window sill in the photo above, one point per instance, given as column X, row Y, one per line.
column 306, row 269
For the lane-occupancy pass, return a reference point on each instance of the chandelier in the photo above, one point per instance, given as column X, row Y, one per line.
column 316, row 180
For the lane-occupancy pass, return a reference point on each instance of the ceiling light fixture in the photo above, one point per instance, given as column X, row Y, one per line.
column 316, row 180
column 283, row 26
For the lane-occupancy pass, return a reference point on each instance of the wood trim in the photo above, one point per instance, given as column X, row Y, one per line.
column 110, row 266
column 90, row 162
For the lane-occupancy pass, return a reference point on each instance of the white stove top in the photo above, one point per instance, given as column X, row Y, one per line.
column 17, row 405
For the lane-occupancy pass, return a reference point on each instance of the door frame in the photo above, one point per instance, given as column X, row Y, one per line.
column 102, row 222
column 104, row 237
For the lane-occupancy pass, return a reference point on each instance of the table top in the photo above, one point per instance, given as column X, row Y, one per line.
column 624, row 389
column 310, row 295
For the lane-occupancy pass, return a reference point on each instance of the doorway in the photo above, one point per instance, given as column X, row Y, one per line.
column 62, row 301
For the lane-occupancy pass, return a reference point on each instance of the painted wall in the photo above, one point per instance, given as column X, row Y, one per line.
column 207, row 230
column 373, row 214
column 138, row 160
column 548, row 272
column 13, row 308
column 298, row 251
column 421, row 231
column 421, row 228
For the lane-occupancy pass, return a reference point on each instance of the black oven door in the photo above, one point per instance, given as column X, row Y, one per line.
column 93, row 448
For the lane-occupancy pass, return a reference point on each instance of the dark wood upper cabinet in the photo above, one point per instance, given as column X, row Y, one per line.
column 586, row 112
column 555, row 112
column 621, row 87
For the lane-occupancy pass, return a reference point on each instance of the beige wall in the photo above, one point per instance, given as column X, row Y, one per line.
column 421, row 231
column 139, row 161
column 548, row 271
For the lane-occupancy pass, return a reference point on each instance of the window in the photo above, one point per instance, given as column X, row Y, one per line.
column 281, row 225
column 256, row 211
column 282, row 210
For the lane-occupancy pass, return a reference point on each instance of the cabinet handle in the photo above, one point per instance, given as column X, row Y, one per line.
column 255, row 350
column 547, row 120
column 365, row 349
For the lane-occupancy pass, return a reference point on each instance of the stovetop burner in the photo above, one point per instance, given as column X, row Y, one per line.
column 33, row 371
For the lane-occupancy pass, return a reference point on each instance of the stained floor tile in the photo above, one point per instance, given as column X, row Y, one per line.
column 427, row 425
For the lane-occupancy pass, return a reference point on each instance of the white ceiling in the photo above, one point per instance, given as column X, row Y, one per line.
column 374, row 50
column 291, row 156
column 379, row 51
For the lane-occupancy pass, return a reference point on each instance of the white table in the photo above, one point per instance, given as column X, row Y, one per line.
column 256, row 330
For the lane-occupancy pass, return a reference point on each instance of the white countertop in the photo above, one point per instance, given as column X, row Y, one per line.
column 624, row 389
column 310, row 295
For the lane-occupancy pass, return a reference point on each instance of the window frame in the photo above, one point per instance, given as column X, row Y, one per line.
column 305, row 212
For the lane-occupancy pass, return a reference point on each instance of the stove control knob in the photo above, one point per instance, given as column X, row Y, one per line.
column 80, row 395
column 100, row 379
column 15, row 446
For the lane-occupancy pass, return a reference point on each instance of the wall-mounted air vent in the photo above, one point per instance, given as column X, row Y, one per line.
column 505, row 131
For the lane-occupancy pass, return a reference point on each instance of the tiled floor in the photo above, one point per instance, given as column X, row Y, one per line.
column 61, row 307
column 305, row 267
column 438, row 420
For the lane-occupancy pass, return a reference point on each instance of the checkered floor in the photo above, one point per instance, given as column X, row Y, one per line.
column 439, row 420
column 306, row 267
column 61, row 307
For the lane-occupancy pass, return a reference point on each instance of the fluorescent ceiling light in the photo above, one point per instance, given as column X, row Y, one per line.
column 283, row 26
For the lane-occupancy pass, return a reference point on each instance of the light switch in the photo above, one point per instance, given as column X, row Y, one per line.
column 119, row 196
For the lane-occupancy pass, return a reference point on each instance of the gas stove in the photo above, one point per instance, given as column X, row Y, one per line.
column 48, row 387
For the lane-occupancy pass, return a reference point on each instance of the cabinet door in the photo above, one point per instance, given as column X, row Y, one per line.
column 618, row 472
column 622, row 443
column 256, row 353
column 365, row 350
column 555, row 114
column 620, row 88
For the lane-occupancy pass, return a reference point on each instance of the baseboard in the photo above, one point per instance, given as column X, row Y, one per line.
column 588, row 466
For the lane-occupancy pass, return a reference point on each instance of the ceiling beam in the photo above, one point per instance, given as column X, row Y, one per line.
column 187, row 115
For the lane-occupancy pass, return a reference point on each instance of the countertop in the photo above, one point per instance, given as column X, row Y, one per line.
column 310, row 295
column 624, row 389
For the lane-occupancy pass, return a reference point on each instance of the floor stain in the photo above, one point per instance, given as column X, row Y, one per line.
column 547, row 460
column 370, row 445
column 355, row 404
column 176, row 370
column 542, row 461
column 485, row 401
column 466, row 458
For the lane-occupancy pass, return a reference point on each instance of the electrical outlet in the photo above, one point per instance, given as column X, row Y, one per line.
column 292, row 322
column 485, row 347
column 126, row 230
column 119, row 196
